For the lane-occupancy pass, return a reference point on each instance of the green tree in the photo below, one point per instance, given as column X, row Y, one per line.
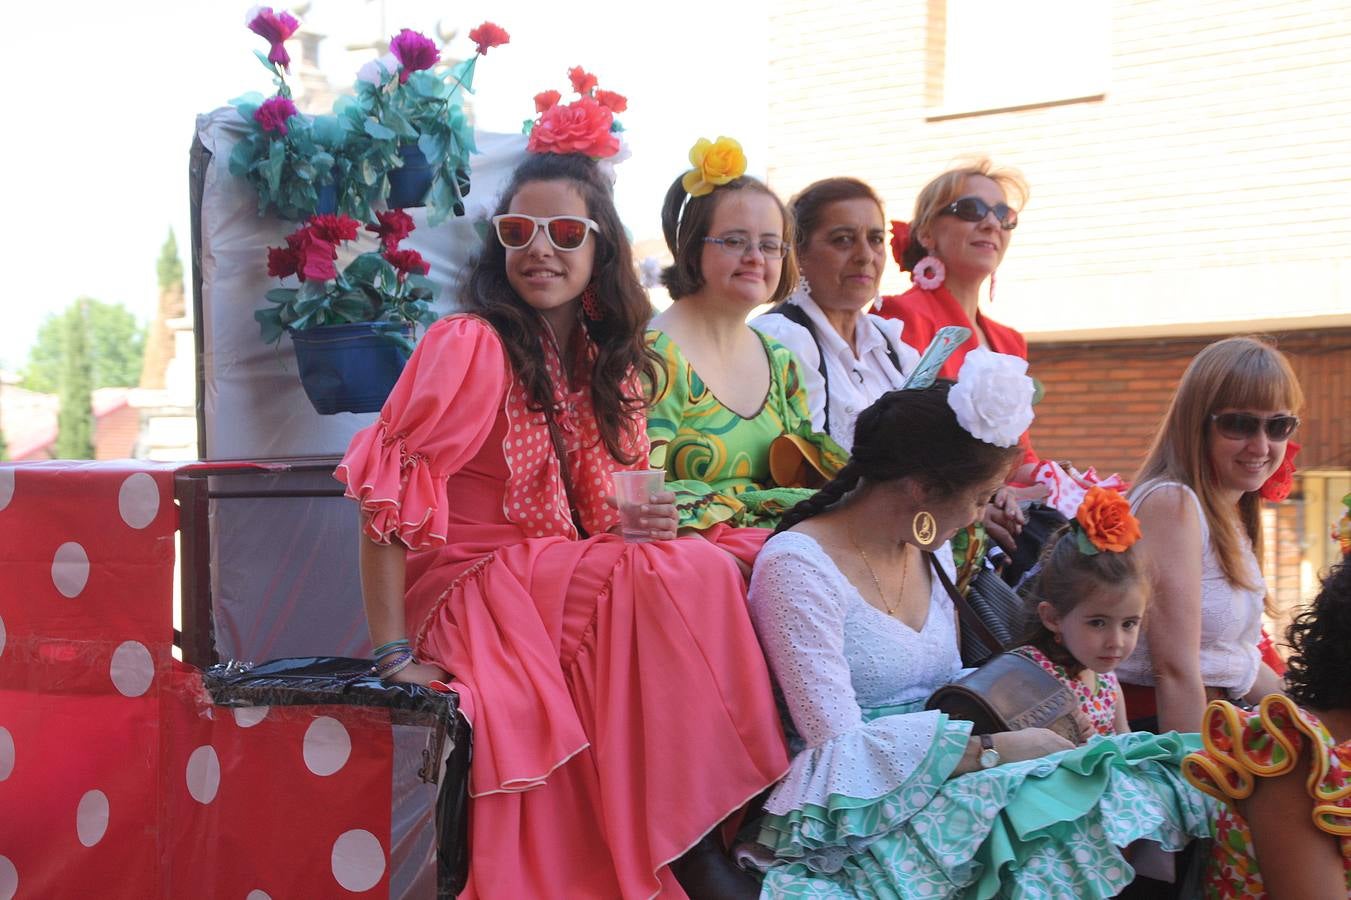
column 75, row 421
column 114, row 345
column 169, row 267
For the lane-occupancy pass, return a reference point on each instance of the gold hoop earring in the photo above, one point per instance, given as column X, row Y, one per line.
column 924, row 527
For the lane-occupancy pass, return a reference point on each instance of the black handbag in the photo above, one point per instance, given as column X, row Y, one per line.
column 1010, row 692
column 990, row 617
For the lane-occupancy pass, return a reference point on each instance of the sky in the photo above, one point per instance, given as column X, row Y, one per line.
column 97, row 134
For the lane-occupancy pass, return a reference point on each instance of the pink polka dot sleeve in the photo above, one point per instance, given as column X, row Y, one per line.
column 437, row 418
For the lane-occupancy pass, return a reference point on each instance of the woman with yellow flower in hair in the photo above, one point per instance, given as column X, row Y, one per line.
column 726, row 393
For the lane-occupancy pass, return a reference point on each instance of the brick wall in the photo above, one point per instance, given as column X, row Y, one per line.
column 116, row 431
column 1104, row 400
column 1208, row 183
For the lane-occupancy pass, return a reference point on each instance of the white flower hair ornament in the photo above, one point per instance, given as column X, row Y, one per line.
column 993, row 397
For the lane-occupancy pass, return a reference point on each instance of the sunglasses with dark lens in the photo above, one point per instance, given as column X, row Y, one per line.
column 973, row 209
column 1241, row 426
column 566, row 233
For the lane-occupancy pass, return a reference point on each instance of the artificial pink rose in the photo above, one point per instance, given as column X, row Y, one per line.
column 334, row 229
column 487, row 36
column 579, row 127
column 545, row 100
column 415, row 52
column 274, row 112
column 583, row 82
column 406, row 261
column 281, row 262
column 900, row 240
column 314, row 255
column 614, row 102
column 275, row 29
column 395, row 225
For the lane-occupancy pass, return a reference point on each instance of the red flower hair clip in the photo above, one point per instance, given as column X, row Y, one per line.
column 586, row 125
column 900, row 240
column 1278, row 486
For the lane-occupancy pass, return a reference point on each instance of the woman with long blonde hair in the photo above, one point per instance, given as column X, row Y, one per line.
column 1197, row 497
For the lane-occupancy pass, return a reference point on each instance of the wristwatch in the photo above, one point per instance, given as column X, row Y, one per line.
column 989, row 756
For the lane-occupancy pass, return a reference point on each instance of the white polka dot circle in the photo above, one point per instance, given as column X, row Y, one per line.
column 2, row 635
column 6, row 486
column 327, row 746
column 6, row 753
column 203, row 774
column 258, row 895
column 132, row 669
column 249, row 716
column 91, row 817
column 70, row 569
column 138, row 500
column 358, row 860
column 9, row 879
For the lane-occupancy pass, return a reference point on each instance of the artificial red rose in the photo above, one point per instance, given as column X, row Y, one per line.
column 394, row 225
column 407, row 261
column 615, row 102
column 583, row 82
column 282, row 261
column 1278, row 486
column 579, row 127
column 314, row 255
column 414, row 52
column 1106, row 519
column 900, row 240
column 273, row 113
column 276, row 29
column 334, row 229
column 487, row 36
column 546, row 100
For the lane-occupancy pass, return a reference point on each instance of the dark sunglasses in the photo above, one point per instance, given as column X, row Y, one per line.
column 566, row 233
column 1241, row 426
column 973, row 209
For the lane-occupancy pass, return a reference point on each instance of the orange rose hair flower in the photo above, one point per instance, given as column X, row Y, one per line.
column 1104, row 522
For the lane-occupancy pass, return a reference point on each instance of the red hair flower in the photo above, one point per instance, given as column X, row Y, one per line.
column 579, row 127
column 271, row 116
column 583, row 82
column 900, row 240
column 334, row 229
column 546, row 100
column 612, row 101
column 414, row 51
column 275, row 29
column 1278, row 486
column 487, row 36
column 395, row 225
column 407, row 261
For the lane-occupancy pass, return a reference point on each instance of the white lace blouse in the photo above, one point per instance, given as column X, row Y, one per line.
column 834, row 654
column 1231, row 615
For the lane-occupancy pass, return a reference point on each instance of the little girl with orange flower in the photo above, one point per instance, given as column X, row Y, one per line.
column 1087, row 600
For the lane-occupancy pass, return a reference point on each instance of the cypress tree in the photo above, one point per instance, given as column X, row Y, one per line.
column 75, row 422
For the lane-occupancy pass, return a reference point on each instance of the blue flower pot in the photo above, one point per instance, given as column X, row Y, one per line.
column 326, row 202
column 347, row 368
column 408, row 185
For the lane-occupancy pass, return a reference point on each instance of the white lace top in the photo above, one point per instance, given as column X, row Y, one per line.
column 1231, row 616
column 833, row 654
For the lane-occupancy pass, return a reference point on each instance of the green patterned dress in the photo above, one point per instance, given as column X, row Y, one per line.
column 870, row 806
column 716, row 460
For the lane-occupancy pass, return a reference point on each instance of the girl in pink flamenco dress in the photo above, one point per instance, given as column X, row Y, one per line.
column 620, row 704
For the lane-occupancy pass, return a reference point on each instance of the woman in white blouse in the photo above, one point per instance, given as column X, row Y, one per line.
column 848, row 357
column 885, row 798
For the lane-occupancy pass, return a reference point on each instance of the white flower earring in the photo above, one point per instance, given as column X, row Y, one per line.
column 929, row 272
column 804, row 287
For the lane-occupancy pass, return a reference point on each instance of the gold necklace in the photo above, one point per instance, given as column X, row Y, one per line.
column 905, row 569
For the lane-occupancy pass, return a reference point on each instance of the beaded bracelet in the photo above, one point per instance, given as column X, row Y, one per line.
column 386, row 649
column 383, row 670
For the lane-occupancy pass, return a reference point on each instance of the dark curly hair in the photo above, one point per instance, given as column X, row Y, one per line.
column 1319, row 673
column 618, row 334
column 1064, row 577
column 910, row 434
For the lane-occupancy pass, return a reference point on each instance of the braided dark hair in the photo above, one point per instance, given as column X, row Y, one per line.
column 1065, row 575
column 910, row 434
column 618, row 334
column 1319, row 673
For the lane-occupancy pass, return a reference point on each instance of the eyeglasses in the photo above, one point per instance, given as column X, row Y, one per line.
column 1242, row 426
column 973, row 209
column 738, row 244
column 566, row 233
